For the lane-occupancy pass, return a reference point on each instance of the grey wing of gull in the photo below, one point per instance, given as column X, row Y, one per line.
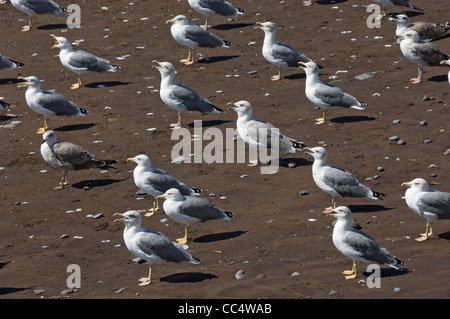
column 89, row 62
column 334, row 96
column 163, row 181
column 344, row 182
column 8, row 63
column 219, row 7
column 368, row 248
column 41, row 7
column 191, row 100
column 202, row 37
column 265, row 133
column 201, row 209
column 154, row 243
column 57, row 103
column 284, row 52
column 76, row 156
column 435, row 202
column 430, row 53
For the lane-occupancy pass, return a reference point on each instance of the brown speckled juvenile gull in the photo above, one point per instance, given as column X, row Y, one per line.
column 67, row 156
column 427, row 31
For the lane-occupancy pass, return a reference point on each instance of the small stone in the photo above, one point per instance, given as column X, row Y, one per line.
column 212, row 195
column 38, row 291
column 303, row 193
column 396, row 121
column 239, row 275
column 447, row 152
column 368, row 179
column 292, row 165
column 397, row 289
column 427, row 98
column 97, row 216
column 423, row 123
column 380, row 168
column 333, row 292
column 295, row 274
column 428, row 141
column 119, row 291
column 67, row 291
column 64, row 236
column 394, row 138
column 138, row 260
column 401, row 142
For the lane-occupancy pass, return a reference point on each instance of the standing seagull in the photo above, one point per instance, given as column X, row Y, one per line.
column 180, row 97
column 427, row 203
column 152, row 246
column 68, row 156
column 33, row 7
column 400, row 3
column 337, row 181
column 421, row 52
column 214, row 7
column 190, row 210
column 427, row 31
column 260, row 134
column 155, row 181
column 193, row 37
column 48, row 103
column 81, row 62
column 325, row 95
column 278, row 53
column 8, row 63
column 357, row 245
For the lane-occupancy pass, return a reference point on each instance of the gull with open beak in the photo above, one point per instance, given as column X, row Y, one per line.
column 80, row 62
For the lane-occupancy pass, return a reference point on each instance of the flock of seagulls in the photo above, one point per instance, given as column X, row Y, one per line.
column 181, row 202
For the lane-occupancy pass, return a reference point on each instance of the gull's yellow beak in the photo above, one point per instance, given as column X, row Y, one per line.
column 118, row 220
column 329, row 211
column 169, row 21
column 406, row 184
column 56, row 44
column 25, row 81
column 130, row 159
column 302, row 65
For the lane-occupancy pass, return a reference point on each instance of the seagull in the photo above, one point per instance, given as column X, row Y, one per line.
column 155, row 181
column 400, row 3
column 337, row 181
column 214, row 7
column 428, row 203
column 325, row 95
column 357, row 245
column 178, row 96
column 48, row 103
column 33, row 7
column 152, row 246
column 81, row 62
column 277, row 53
column 447, row 62
column 193, row 37
column 190, row 209
column 421, row 52
column 67, row 156
column 427, row 31
column 8, row 63
column 260, row 134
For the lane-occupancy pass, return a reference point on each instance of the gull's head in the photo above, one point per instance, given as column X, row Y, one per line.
column 266, row 26
column 400, row 19
column 241, row 107
column 141, row 160
column 171, row 194
column 412, row 36
column 129, row 218
column 317, row 152
column 419, row 184
column 309, row 67
column 30, row 81
column 164, row 67
column 61, row 42
column 179, row 19
column 49, row 137
column 341, row 212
